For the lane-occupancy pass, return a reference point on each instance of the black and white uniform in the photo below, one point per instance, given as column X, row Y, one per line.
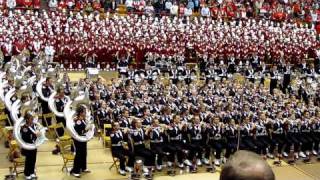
column 80, row 159
column 28, row 135
column 216, row 141
column 60, row 102
column 138, row 138
column 117, row 141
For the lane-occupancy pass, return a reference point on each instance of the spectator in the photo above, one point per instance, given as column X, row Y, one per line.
column 129, row 5
column 196, row 5
column 181, row 9
column 96, row 5
column 188, row 12
column 11, row 4
column 53, row 4
column 245, row 165
column 70, row 4
column 174, row 9
column 168, row 5
column 190, row 5
column 149, row 10
column 205, row 11
column 2, row 4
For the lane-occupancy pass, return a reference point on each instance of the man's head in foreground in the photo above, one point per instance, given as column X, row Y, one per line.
column 245, row 165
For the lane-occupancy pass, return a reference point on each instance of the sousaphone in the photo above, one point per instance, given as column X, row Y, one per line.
column 52, row 104
column 39, row 128
column 70, row 115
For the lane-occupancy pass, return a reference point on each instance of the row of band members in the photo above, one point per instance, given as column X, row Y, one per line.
column 199, row 139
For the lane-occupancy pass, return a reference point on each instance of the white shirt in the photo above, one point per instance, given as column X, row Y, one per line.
column 53, row 3
column 49, row 50
column 205, row 12
column 187, row 12
column 11, row 4
column 174, row 9
column 129, row 3
column 168, row 5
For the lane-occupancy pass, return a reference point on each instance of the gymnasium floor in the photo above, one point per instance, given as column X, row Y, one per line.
column 99, row 160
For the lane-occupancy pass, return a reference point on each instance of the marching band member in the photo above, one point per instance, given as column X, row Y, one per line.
column 80, row 159
column 277, row 133
column 274, row 79
column 158, row 142
column 231, row 137
column 138, row 139
column 176, row 133
column 29, row 134
column 292, row 137
column 286, row 77
column 216, row 141
column 104, row 115
column 262, row 140
column 120, row 149
column 315, row 131
column 250, row 74
column 60, row 102
column 197, row 139
column 305, row 136
column 47, row 89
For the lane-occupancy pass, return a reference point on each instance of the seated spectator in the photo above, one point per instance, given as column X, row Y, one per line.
column 53, row 4
column 190, row 5
column 11, row 4
column 70, row 4
column 174, row 9
column 129, row 5
column 96, row 5
column 149, row 10
column 168, row 5
column 245, row 165
column 205, row 11
column 188, row 12
column 196, row 5
column 62, row 5
column 181, row 9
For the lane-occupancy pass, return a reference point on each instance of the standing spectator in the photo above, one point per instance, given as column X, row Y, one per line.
column 205, row 11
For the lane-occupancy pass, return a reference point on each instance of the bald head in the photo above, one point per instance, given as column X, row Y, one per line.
column 245, row 165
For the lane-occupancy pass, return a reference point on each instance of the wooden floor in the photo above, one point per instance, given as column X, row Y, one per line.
column 99, row 160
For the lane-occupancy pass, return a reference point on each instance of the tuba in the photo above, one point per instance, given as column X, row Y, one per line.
column 18, row 104
column 52, row 105
column 70, row 113
column 39, row 128
column 51, row 72
column 7, row 98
